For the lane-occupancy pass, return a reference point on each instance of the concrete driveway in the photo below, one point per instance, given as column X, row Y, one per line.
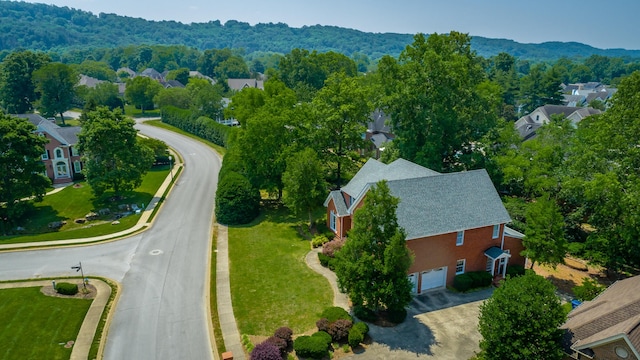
column 439, row 325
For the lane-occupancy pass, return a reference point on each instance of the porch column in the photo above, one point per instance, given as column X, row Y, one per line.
column 504, row 268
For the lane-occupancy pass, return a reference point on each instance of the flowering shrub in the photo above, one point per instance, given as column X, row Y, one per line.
column 332, row 247
column 266, row 351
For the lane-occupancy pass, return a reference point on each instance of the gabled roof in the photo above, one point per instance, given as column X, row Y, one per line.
column 431, row 203
column 378, row 122
column 152, row 73
column 612, row 315
column 88, row 81
column 374, row 171
column 239, row 84
column 338, row 200
column 379, row 140
column 64, row 135
column 446, row 203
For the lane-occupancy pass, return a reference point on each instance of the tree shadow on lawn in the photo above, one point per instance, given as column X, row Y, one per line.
column 37, row 219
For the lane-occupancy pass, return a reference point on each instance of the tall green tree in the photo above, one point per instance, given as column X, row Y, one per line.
column 20, row 169
column 520, row 321
column 103, row 94
column 140, row 92
column 604, row 160
column 206, row 99
column 304, row 184
column 175, row 96
column 265, row 140
column 540, row 87
column 372, row 266
column 432, row 94
column 113, row 156
column 544, row 240
column 341, row 110
column 17, row 90
column 56, row 84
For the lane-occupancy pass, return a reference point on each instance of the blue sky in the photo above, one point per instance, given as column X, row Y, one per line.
column 603, row 24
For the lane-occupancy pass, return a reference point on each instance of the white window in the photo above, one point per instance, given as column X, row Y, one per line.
column 58, row 153
column 77, row 167
column 74, row 151
column 460, row 266
column 332, row 220
column 496, row 231
column 460, row 238
column 45, row 155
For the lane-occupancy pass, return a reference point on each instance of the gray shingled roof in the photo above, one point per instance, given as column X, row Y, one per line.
column 615, row 312
column 374, row 171
column 445, row 203
column 65, row 135
column 338, row 200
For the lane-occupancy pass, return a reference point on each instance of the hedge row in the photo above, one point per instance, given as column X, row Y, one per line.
column 471, row 280
column 203, row 127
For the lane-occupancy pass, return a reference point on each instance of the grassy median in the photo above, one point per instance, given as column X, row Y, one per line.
column 36, row 326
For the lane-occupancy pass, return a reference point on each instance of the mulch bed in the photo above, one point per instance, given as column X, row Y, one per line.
column 89, row 293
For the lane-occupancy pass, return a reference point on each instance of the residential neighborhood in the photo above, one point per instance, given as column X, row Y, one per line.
column 167, row 201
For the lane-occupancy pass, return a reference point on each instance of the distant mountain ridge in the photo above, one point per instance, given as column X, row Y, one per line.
column 48, row 27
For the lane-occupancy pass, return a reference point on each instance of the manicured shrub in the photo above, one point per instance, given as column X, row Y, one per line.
column 462, row 282
column 285, row 334
column 322, row 324
column 355, row 337
column 266, row 351
column 363, row 327
column 247, row 343
column 339, row 329
column 237, row 201
column 65, row 288
column 319, row 240
column 324, row 336
column 281, row 344
column 324, row 259
column 397, row 316
column 334, row 313
column 313, row 347
column 481, row 279
column 364, row 313
column 515, row 270
column 332, row 247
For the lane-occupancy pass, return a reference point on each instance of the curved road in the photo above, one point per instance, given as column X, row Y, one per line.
column 162, row 311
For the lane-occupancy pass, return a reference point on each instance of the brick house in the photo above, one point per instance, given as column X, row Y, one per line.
column 607, row 327
column 455, row 223
column 61, row 158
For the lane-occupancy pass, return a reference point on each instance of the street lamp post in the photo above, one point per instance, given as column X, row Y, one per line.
column 79, row 268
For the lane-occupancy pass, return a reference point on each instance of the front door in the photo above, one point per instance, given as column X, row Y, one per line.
column 501, row 265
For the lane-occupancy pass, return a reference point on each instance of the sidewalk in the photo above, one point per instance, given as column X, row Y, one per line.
column 228, row 325
column 142, row 223
column 87, row 331
column 339, row 299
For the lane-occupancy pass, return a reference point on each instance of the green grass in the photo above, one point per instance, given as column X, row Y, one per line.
column 158, row 123
column 34, row 325
column 131, row 110
column 75, row 202
column 271, row 285
column 213, row 296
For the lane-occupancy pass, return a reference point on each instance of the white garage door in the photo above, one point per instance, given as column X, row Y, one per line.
column 433, row 278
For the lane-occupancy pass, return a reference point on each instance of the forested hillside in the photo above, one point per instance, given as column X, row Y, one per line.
column 47, row 27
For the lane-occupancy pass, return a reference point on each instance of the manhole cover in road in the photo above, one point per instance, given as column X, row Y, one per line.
column 155, row 252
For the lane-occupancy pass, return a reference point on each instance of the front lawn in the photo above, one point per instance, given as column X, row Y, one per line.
column 271, row 285
column 74, row 202
column 35, row 326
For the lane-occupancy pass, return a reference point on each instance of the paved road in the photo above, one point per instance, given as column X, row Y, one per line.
column 162, row 309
